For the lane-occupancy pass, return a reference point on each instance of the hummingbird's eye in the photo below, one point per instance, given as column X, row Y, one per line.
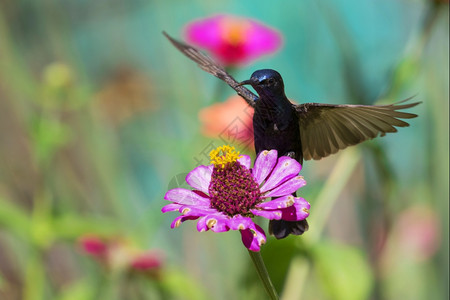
column 270, row 81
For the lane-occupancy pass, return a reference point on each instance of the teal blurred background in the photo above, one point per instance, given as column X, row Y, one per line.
column 99, row 114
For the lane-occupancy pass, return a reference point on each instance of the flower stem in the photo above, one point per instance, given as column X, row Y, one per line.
column 263, row 274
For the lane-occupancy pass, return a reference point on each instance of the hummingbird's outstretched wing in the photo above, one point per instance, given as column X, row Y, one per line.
column 327, row 128
column 212, row 67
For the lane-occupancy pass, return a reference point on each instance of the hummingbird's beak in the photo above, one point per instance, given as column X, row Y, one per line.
column 249, row 81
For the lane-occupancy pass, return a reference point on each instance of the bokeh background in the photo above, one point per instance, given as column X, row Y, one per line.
column 99, row 117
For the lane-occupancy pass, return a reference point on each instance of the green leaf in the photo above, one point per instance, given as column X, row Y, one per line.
column 49, row 135
column 72, row 226
column 182, row 285
column 42, row 232
column 34, row 285
column 80, row 290
column 13, row 218
column 343, row 271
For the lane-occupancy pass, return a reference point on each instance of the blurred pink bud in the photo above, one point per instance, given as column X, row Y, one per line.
column 93, row 245
column 418, row 232
column 149, row 260
column 233, row 40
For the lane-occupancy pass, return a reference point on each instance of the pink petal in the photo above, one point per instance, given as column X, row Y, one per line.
column 201, row 224
column 288, row 187
column 200, row 178
column 205, row 32
column 253, row 238
column 180, row 219
column 170, row 207
column 190, row 210
column 239, row 222
column 285, row 169
column 268, row 214
column 217, row 222
column 278, row 203
column 262, row 40
column 245, row 160
column 297, row 212
column 264, row 164
column 185, row 197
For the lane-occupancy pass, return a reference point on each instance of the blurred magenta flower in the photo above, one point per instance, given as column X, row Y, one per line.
column 93, row 245
column 233, row 40
column 231, row 121
column 228, row 193
column 417, row 232
column 147, row 260
column 115, row 253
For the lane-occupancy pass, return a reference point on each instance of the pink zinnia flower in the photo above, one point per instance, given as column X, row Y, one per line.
column 233, row 40
column 228, row 193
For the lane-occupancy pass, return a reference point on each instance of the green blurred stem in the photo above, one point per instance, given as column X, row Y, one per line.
column 263, row 274
column 295, row 281
column 333, row 187
column 320, row 212
column 34, row 284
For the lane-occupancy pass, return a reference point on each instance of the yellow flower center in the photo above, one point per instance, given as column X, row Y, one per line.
column 223, row 155
column 234, row 30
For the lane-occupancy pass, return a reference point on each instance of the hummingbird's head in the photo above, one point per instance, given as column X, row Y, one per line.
column 266, row 82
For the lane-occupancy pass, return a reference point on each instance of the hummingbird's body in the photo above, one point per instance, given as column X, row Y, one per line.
column 277, row 130
column 276, row 126
column 302, row 131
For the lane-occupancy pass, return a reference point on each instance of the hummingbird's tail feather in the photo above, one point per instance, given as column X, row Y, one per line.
column 281, row 228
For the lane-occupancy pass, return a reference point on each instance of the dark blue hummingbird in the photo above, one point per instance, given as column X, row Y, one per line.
column 302, row 131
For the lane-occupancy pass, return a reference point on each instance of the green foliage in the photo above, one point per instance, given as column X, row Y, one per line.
column 79, row 290
column 14, row 219
column 48, row 135
column 180, row 286
column 343, row 271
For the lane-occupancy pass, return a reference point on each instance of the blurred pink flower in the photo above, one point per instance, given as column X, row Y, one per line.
column 93, row 245
column 148, row 260
column 231, row 121
column 233, row 40
column 414, row 238
column 417, row 231
column 119, row 254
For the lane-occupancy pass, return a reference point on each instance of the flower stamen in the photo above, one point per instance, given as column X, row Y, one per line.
column 223, row 156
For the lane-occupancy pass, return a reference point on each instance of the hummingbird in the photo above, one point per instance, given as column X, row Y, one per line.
column 301, row 131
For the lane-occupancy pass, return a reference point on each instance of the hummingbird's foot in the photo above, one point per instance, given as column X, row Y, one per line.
column 291, row 154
